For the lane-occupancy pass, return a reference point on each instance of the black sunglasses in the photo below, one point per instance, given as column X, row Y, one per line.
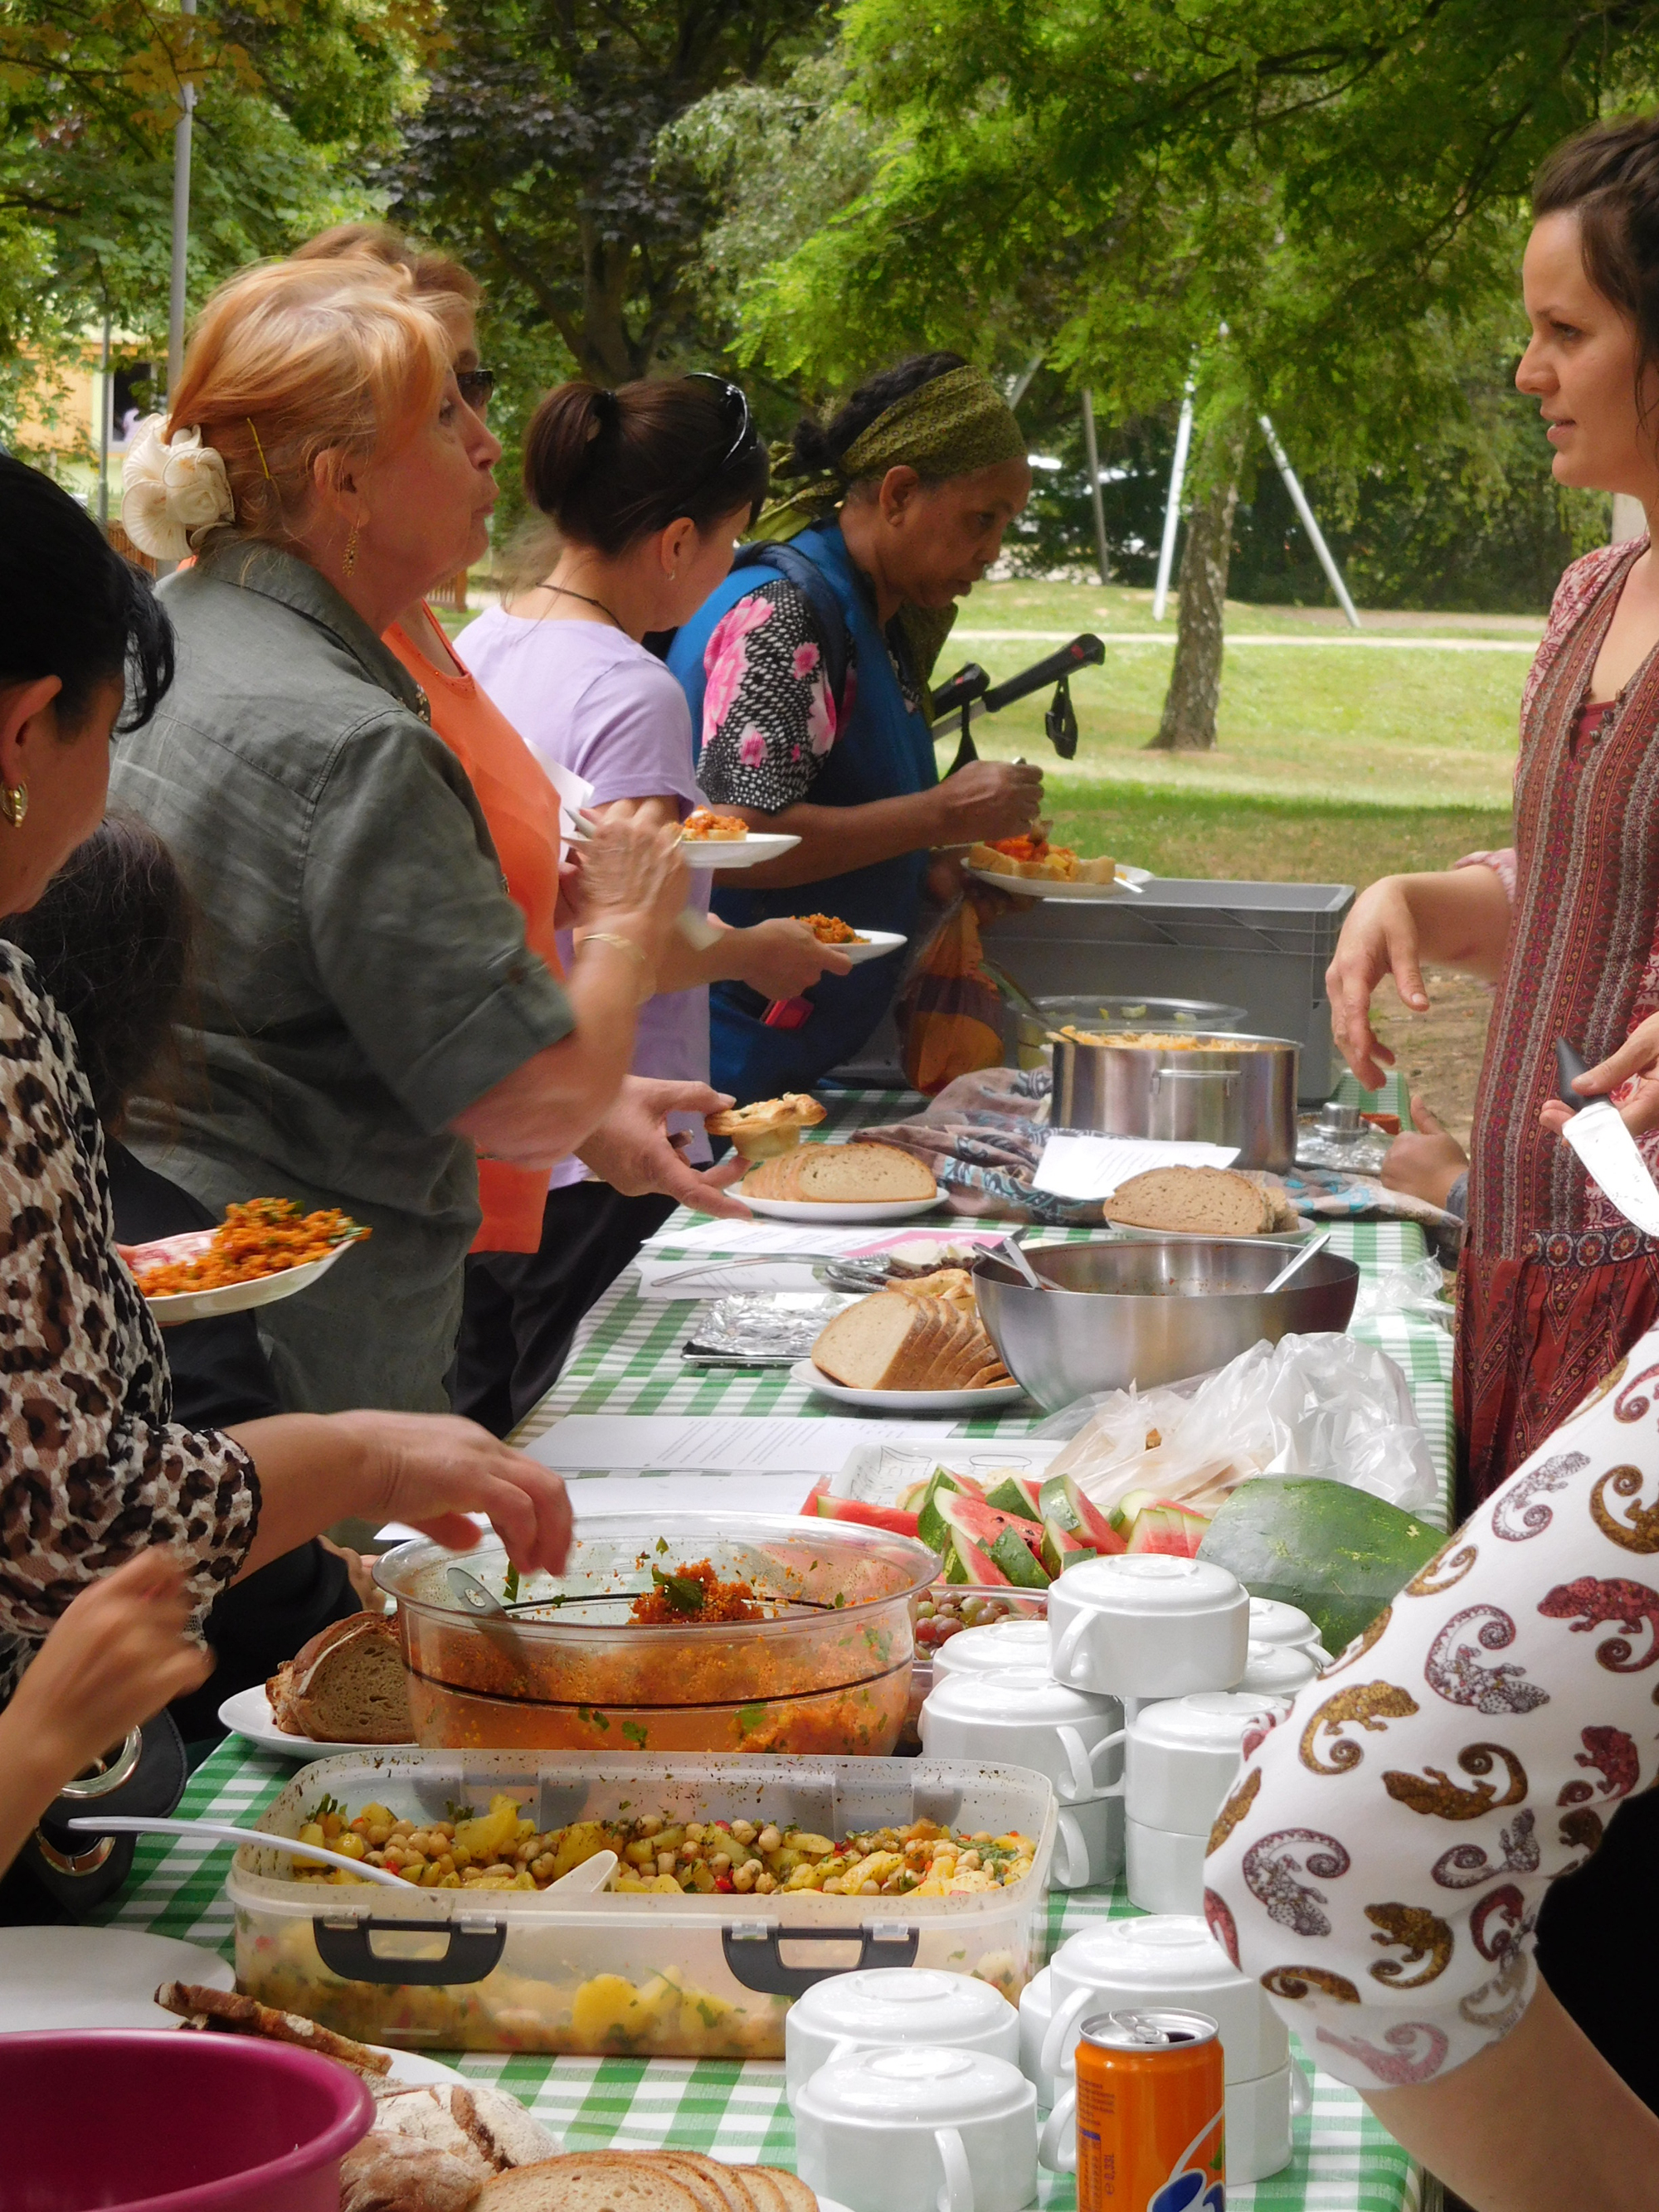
column 475, row 385
column 746, row 422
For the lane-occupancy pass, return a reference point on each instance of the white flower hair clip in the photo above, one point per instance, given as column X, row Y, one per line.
column 174, row 490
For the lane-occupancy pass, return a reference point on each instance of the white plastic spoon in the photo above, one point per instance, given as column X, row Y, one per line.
column 224, row 1832
column 1314, row 1244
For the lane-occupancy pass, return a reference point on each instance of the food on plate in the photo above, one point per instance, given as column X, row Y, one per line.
column 768, row 1127
column 694, row 1592
column 912, row 1337
column 1036, row 858
column 501, row 1850
column 433, row 2147
column 646, row 2181
column 830, row 929
column 346, row 1686
column 227, row 2011
column 1198, row 1201
column 1337, row 1552
column 703, row 825
column 262, row 1236
column 840, row 1174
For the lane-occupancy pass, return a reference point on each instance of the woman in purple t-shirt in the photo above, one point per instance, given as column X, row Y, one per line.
column 648, row 488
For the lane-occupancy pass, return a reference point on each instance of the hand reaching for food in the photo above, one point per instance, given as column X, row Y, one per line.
column 1427, row 1162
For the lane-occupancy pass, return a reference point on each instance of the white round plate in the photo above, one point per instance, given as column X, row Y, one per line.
column 851, row 1212
column 877, row 946
column 249, row 1714
column 735, row 851
column 415, row 2070
column 905, row 1402
column 230, row 1297
column 52, row 1979
column 1042, row 887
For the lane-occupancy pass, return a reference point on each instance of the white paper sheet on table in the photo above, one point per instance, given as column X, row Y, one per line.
column 1076, row 1166
column 736, row 1443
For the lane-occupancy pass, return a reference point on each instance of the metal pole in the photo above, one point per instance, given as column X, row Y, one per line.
column 1172, row 509
column 106, row 401
column 1093, row 452
column 180, row 228
column 1022, row 381
column 1299, row 500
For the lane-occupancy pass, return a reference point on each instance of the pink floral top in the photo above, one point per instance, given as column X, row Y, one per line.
column 1380, row 1866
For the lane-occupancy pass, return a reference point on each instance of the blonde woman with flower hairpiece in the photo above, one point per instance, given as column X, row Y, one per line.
column 371, row 1017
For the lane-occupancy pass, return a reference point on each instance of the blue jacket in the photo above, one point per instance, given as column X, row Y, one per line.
column 882, row 751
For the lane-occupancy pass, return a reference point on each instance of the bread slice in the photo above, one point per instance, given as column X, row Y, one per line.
column 726, row 2183
column 346, row 1686
column 1101, row 870
column 1202, row 1201
column 797, row 2197
column 864, row 1346
column 231, row 2012
column 588, row 2181
column 862, row 1173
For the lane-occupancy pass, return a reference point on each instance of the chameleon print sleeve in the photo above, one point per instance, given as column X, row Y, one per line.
column 92, row 1470
column 1381, row 1863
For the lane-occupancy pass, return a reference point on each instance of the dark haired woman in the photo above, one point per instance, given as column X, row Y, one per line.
column 93, row 1467
column 1556, row 1285
column 648, row 488
column 896, row 509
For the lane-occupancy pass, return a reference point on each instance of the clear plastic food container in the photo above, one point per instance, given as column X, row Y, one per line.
column 625, row 1973
column 828, row 1673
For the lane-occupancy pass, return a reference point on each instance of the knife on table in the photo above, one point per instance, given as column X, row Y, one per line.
column 1598, row 1135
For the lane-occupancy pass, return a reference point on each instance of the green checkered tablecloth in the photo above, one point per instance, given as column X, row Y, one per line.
column 627, row 1359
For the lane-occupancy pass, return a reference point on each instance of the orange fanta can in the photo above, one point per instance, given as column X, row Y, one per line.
column 1151, row 2119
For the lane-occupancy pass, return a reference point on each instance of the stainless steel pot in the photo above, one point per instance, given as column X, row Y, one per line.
column 1029, row 1025
column 1238, row 1090
column 1150, row 1311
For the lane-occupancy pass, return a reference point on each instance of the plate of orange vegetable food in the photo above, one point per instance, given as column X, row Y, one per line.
column 858, row 944
column 709, row 839
column 262, row 1250
column 1033, row 868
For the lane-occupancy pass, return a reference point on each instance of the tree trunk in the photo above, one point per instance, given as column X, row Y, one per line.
column 1189, row 706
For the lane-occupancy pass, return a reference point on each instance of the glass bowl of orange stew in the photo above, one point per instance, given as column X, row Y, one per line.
column 820, row 1663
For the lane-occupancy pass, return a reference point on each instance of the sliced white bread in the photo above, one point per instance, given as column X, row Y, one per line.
column 1201, row 1201
column 346, row 1686
column 588, row 2181
column 794, row 2192
column 895, row 1341
column 857, row 1173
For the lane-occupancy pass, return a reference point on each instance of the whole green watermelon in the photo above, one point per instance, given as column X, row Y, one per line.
column 1338, row 1552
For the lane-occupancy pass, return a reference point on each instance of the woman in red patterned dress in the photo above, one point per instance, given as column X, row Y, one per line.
column 1556, row 1285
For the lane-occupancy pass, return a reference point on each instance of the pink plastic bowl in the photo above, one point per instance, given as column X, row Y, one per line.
column 153, row 2121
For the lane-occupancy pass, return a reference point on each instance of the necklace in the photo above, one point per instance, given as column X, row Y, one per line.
column 565, row 593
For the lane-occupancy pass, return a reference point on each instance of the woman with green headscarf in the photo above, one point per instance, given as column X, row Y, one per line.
column 807, row 672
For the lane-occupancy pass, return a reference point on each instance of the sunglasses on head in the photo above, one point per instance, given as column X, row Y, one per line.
column 734, row 401
column 475, row 385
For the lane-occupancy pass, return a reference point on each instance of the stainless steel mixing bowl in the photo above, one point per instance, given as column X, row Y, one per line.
column 1152, row 1310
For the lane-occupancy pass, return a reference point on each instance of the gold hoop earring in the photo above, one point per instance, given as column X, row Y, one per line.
column 348, row 558
column 15, row 803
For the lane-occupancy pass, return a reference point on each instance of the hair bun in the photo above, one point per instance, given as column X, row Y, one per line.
column 813, row 450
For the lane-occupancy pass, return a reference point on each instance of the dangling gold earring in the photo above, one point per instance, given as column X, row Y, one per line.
column 15, row 803
column 348, row 558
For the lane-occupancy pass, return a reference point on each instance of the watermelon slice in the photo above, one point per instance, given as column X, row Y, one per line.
column 942, row 1483
column 1065, row 1503
column 1061, row 1549
column 1013, row 1544
column 1338, row 1552
column 1175, row 1530
column 1017, row 1493
column 964, row 1562
column 891, row 1517
column 1128, row 1510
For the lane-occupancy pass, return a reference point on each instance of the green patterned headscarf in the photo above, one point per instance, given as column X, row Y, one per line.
column 949, row 426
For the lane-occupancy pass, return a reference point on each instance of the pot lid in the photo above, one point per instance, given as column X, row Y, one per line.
column 912, row 2084
column 902, row 2004
column 1017, row 1697
column 1149, row 1582
column 998, row 1644
column 1208, row 1720
column 1165, row 1951
column 1272, row 1622
column 1277, row 1670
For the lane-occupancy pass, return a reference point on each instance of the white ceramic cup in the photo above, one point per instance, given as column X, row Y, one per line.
column 1278, row 1670
column 1162, row 1868
column 1182, row 1756
column 1019, row 1643
column 1088, row 1841
column 1258, row 2125
column 1272, row 1622
column 884, row 2006
column 1140, row 1624
column 1036, row 2010
column 1130, row 1965
column 1021, row 1717
column 919, row 2129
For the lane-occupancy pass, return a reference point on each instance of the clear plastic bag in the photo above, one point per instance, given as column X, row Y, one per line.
column 1418, row 1289
column 1323, row 1405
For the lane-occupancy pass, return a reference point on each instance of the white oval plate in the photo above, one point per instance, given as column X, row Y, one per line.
column 1041, row 887
column 230, row 1298
column 877, row 946
column 54, row 1979
column 904, row 1402
column 415, row 2070
column 248, row 1713
column 851, row 1212
column 735, row 851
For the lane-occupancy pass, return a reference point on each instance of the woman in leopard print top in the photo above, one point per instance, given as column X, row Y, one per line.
column 94, row 1471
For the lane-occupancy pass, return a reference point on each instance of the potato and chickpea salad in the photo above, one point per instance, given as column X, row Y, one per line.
column 501, row 1850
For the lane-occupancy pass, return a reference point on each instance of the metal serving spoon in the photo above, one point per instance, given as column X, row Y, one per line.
column 1300, row 1259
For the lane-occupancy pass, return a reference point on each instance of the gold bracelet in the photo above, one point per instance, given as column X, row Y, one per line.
column 647, row 978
